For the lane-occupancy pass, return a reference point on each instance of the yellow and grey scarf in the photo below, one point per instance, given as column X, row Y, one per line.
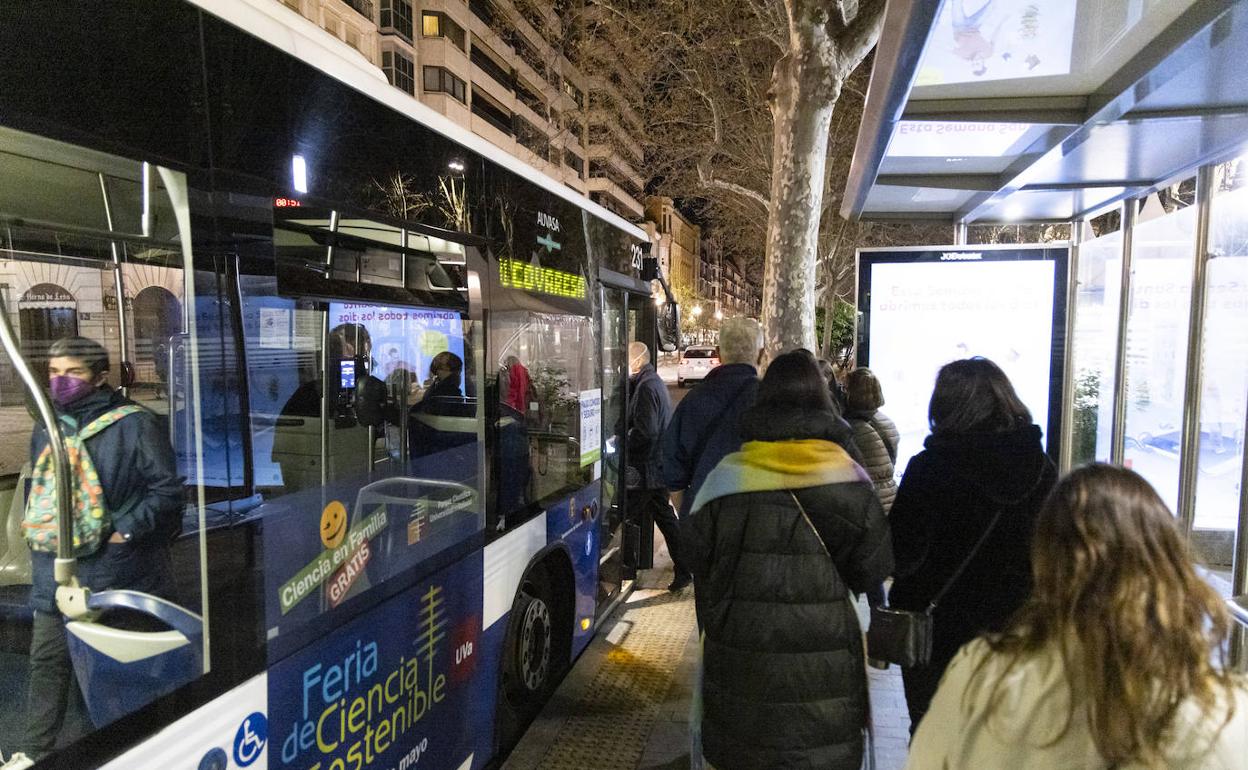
column 766, row 466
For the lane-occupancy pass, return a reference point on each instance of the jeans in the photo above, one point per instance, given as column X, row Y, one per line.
column 52, row 686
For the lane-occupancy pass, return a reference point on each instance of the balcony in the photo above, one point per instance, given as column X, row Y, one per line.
column 362, row 7
column 492, row 68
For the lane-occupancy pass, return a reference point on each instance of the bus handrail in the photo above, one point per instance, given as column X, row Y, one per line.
column 1238, row 607
column 65, row 562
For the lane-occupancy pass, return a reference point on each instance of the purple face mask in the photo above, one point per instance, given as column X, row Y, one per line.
column 67, row 390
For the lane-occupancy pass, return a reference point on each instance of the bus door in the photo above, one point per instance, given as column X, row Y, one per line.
column 103, row 546
column 614, row 578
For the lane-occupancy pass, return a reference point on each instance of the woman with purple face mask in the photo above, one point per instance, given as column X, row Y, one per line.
column 144, row 498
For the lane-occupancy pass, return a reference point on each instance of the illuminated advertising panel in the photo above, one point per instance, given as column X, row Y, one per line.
column 925, row 307
column 979, row 40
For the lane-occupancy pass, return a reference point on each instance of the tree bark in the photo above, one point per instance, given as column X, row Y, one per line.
column 806, row 83
column 799, row 147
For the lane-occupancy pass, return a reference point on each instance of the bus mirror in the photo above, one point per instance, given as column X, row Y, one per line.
column 669, row 327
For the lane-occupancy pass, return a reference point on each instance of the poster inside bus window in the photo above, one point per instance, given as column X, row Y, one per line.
column 925, row 307
column 403, row 337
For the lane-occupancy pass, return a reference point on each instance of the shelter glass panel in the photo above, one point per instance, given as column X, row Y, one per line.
column 1095, row 345
column 1161, row 270
column 1225, row 383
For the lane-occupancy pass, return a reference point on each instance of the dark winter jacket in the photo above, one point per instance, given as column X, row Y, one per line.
column 876, row 437
column 649, row 412
column 785, row 684
column 946, row 500
column 142, row 492
column 706, row 427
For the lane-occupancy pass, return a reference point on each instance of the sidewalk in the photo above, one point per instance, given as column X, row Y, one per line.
column 625, row 704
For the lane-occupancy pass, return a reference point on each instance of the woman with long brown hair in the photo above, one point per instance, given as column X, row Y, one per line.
column 980, row 479
column 1113, row 662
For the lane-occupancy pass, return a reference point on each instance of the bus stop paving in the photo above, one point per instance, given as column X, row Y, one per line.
column 625, row 705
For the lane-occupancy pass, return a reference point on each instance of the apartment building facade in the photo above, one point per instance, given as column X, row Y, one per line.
column 497, row 68
column 677, row 244
column 722, row 280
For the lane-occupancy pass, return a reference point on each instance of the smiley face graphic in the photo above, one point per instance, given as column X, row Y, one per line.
column 333, row 524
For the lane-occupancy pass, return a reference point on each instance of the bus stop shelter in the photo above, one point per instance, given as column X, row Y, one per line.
column 1127, row 119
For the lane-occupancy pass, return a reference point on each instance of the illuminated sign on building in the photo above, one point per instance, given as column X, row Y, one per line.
column 515, row 274
column 286, row 203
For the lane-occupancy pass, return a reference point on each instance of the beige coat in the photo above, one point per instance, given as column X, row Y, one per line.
column 959, row 733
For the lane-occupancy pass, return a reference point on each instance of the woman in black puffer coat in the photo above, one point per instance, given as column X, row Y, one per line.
column 780, row 533
column 984, row 456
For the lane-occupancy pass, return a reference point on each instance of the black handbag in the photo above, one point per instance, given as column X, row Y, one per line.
column 904, row 637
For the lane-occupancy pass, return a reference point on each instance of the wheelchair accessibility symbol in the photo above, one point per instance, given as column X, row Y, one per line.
column 249, row 741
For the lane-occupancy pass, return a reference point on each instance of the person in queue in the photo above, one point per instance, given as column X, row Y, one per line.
column 143, row 500
column 781, row 531
column 877, row 438
column 1110, row 663
column 706, row 424
column 983, row 472
column 648, row 414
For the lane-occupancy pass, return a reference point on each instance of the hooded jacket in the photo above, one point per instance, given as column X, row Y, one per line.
column 947, row 498
column 784, row 683
column 142, row 492
column 1043, row 723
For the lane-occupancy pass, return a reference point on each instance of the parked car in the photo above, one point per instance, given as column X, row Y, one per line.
column 695, row 363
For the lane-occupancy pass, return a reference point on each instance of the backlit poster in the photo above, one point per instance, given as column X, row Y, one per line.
column 976, row 40
column 923, row 308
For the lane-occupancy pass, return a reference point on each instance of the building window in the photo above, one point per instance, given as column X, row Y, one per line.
column 574, row 161
column 525, row 94
column 481, row 57
column 532, row 137
column 574, row 92
column 440, row 80
column 396, row 17
column 400, row 70
column 440, row 25
column 496, row 116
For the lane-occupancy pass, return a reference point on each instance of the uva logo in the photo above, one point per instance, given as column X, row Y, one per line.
column 250, row 739
column 547, row 221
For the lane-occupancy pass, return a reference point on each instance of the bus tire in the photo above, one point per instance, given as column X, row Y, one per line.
column 529, row 661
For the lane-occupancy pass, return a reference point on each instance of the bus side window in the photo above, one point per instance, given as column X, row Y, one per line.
column 545, row 364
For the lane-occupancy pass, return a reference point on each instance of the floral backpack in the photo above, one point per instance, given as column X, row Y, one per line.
column 92, row 522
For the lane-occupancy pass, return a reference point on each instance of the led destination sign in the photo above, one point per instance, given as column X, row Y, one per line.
column 515, row 274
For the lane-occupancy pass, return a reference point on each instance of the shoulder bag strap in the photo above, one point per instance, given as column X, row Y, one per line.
column 108, row 418
column 958, row 573
column 818, row 537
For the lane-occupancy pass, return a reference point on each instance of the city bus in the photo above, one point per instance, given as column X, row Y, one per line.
column 391, row 362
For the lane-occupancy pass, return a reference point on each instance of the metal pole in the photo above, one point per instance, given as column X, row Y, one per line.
column 327, row 408
column 1239, row 568
column 1189, row 456
column 119, row 286
column 1118, row 435
column 1066, row 448
column 959, row 233
column 65, row 564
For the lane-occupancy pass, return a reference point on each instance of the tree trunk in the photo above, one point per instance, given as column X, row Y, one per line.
column 803, row 115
